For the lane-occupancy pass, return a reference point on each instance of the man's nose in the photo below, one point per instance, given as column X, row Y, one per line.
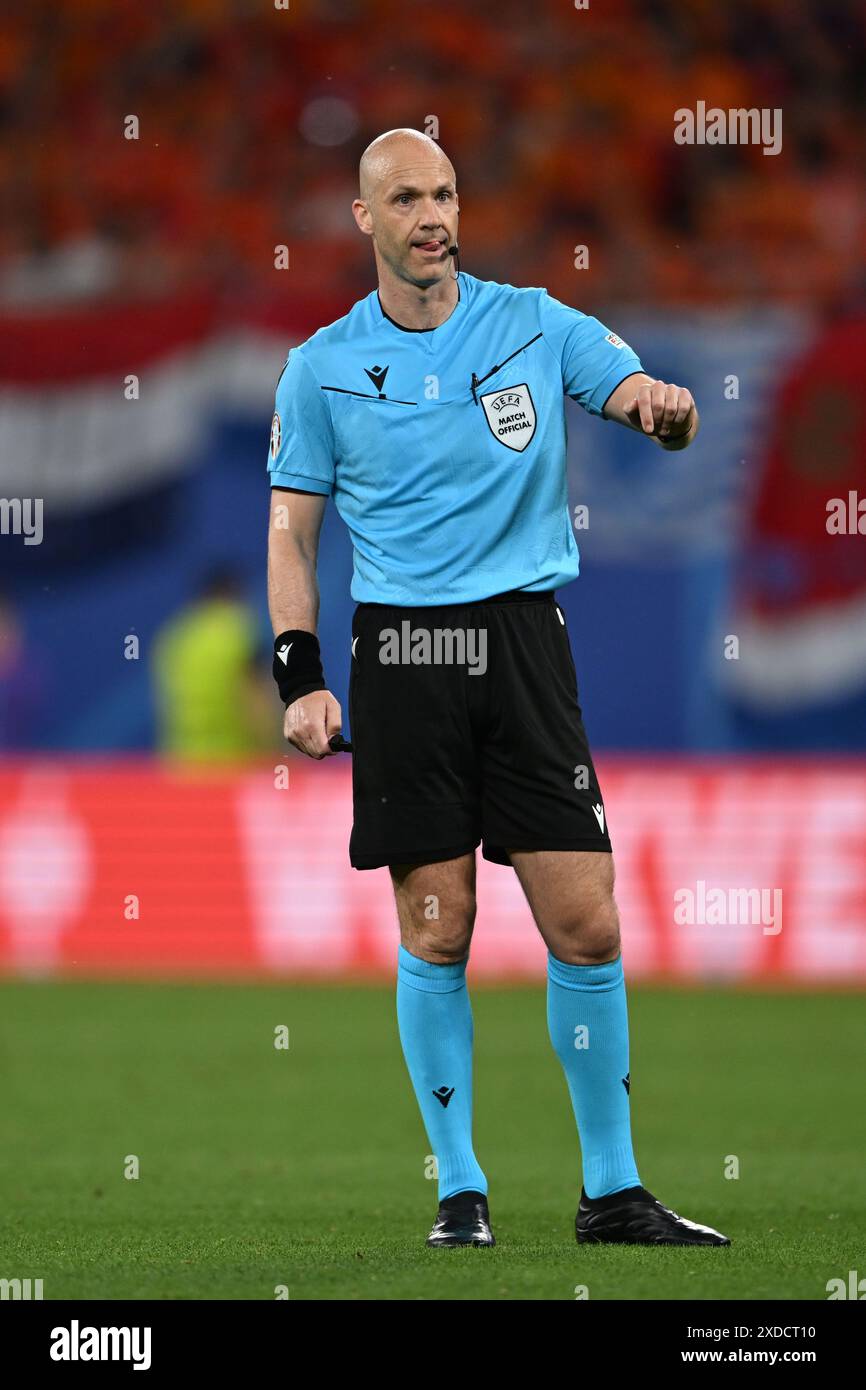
column 431, row 217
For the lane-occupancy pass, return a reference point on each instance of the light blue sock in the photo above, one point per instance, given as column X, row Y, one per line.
column 586, row 1005
column 435, row 1022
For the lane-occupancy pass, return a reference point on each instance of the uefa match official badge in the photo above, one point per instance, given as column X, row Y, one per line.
column 275, row 435
column 511, row 416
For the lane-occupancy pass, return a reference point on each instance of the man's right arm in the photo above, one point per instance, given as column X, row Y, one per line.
column 293, row 547
column 293, row 599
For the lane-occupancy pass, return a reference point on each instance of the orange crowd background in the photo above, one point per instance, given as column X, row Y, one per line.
column 559, row 120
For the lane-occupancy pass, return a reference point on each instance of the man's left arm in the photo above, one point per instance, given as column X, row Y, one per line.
column 665, row 412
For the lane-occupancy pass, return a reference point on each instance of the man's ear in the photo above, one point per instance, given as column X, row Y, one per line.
column 361, row 214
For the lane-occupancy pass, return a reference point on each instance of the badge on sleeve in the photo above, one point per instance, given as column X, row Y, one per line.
column 275, row 435
column 511, row 416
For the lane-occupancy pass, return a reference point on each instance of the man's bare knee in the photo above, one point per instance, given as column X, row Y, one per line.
column 436, row 908
column 571, row 896
column 439, row 939
column 595, row 934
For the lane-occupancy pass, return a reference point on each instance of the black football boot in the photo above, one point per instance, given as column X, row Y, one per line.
column 462, row 1220
column 635, row 1217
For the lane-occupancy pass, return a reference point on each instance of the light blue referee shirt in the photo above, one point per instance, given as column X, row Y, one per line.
column 444, row 448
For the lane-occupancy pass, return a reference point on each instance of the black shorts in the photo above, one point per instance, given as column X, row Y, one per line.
column 478, row 738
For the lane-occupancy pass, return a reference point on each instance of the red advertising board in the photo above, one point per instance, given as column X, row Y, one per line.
column 740, row 871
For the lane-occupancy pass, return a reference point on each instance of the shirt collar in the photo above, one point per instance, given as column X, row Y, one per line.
column 402, row 326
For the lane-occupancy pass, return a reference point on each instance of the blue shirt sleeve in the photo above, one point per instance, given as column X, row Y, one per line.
column 301, row 453
column 593, row 360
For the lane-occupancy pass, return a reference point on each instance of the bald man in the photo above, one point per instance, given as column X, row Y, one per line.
column 433, row 413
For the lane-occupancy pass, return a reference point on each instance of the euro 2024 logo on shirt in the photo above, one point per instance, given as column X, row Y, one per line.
column 275, row 435
column 511, row 416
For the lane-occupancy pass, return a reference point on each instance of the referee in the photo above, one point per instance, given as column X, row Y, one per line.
column 433, row 413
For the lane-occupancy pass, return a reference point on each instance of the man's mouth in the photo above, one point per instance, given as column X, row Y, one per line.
column 435, row 245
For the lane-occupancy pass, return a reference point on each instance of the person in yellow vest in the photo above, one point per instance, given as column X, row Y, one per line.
column 213, row 696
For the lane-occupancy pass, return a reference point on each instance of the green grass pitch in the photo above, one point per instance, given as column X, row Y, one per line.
column 304, row 1167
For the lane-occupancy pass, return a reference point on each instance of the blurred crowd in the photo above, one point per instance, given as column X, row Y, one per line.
column 559, row 120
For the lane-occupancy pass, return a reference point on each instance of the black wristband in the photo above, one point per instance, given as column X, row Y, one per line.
column 297, row 664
